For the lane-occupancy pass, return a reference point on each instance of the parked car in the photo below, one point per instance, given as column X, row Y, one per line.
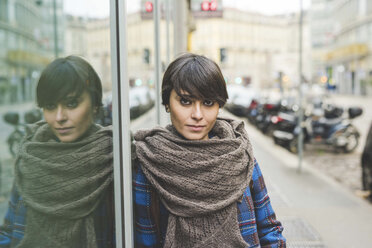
column 240, row 98
column 140, row 101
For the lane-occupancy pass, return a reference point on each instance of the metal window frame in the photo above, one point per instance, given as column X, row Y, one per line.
column 121, row 116
column 121, row 125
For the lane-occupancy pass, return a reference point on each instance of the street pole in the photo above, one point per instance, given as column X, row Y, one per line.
column 157, row 60
column 190, row 26
column 179, row 26
column 55, row 28
column 167, row 16
column 300, row 95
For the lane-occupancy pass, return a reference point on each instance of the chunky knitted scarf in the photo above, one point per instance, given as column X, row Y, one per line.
column 199, row 182
column 61, row 185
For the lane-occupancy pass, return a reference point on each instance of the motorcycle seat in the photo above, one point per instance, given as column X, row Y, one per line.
column 330, row 122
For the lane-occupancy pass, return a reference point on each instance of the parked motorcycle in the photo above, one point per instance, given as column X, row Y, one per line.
column 20, row 129
column 335, row 131
column 252, row 110
column 263, row 119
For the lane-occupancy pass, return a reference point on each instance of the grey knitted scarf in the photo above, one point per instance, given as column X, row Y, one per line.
column 199, row 182
column 61, row 185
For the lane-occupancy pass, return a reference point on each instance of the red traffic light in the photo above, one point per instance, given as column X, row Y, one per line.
column 205, row 6
column 148, row 6
column 209, row 5
column 213, row 6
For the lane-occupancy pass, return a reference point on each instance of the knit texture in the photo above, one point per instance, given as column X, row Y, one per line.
column 62, row 184
column 199, row 182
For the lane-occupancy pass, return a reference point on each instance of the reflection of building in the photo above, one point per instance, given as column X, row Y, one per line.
column 27, row 45
column 98, row 49
column 75, row 36
column 342, row 44
column 90, row 38
column 249, row 46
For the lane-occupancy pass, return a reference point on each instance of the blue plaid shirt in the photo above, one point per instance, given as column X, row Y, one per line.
column 257, row 221
column 13, row 229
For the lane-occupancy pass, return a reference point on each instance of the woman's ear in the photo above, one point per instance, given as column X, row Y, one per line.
column 167, row 108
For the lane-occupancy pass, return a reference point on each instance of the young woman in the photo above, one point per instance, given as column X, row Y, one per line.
column 62, row 194
column 196, row 182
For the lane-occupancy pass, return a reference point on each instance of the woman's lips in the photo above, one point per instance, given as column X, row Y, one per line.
column 195, row 128
column 63, row 130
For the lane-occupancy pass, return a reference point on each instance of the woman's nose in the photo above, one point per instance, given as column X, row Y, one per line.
column 61, row 114
column 197, row 113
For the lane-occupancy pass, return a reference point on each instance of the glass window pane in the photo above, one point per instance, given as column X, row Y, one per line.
column 64, row 177
column 141, row 58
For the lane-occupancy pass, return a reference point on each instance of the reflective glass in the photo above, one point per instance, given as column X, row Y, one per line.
column 32, row 35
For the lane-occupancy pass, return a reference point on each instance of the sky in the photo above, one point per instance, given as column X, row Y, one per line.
column 101, row 8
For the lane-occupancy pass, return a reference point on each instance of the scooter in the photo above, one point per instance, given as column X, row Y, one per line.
column 20, row 129
column 339, row 132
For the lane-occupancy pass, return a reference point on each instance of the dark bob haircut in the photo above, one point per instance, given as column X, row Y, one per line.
column 70, row 75
column 196, row 75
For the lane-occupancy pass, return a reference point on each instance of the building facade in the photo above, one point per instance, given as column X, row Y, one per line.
column 28, row 40
column 250, row 47
column 90, row 38
column 344, row 60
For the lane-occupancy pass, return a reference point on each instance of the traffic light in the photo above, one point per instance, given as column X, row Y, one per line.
column 149, row 7
column 209, row 5
column 223, row 55
column 146, row 56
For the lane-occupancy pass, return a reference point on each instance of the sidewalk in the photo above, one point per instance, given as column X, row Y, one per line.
column 315, row 210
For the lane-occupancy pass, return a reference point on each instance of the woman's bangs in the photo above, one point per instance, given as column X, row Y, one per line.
column 59, row 86
column 196, row 84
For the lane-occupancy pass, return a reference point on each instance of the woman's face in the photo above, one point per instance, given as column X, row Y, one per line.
column 192, row 118
column 70, row 118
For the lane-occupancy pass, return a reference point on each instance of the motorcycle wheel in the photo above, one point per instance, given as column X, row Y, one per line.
column 365, row 179
column 293, row 145
column 352, row 142
column 276, row 142
column 14, row 142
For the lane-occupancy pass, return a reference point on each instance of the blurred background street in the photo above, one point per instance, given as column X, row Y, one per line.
column 298, row 73
column 317, row 204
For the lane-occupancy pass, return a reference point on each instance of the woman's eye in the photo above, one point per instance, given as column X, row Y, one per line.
column 208, row 103
column 50, row 106
column 72, row 104
column 185, row 101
